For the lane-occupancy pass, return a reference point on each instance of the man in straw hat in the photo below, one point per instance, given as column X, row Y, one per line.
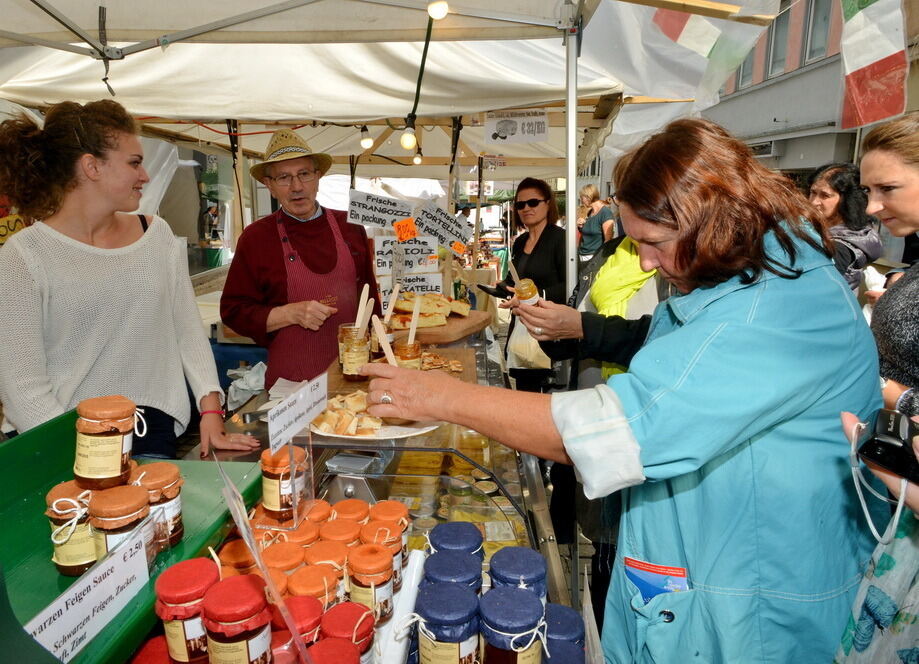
column 297, row 273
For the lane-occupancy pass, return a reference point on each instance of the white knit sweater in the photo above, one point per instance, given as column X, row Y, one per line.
column 78, row 321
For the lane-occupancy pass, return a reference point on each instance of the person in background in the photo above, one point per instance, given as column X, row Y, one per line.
column 723, row 435
column 835, row 191
column 98, row 300
column 297, row 274
column 599, row 223
column 883, row 625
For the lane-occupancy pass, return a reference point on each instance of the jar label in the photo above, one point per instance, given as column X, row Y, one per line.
column 167, row 517
column 378, row 598
column 254, row 651
column 127, row 443
column 397, row 568
column 353, row 360
column 409, row 364
column 98, row 456
column 532, row 655
column 185, row 639
column 277, row 494
column 79, row 549
column 435, row 652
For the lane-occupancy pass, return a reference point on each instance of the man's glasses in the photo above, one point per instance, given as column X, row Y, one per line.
column 287, row 179
column 532, row 202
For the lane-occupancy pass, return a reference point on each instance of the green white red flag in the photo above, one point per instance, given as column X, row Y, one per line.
column 694, row 32
column 874, row 61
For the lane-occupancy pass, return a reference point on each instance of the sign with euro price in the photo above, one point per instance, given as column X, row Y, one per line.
column 517, row 126
column 294, row 414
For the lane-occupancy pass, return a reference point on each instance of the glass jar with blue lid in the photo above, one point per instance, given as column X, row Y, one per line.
column 448, row 624
column 513, row 626
column 457, row 536
column 564, row 651
column 564, row 624
column 519, row 567
column 454, row 567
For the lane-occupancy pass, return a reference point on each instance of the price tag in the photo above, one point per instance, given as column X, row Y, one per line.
column 294, row 414
column 405, row 229
column 458, row 247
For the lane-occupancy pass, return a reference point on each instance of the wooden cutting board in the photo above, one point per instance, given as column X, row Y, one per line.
column 457, row 327
column 466, row 356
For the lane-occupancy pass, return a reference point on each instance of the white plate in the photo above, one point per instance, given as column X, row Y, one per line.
column 387, row 431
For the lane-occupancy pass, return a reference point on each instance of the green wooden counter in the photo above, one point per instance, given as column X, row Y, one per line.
column 30, row 465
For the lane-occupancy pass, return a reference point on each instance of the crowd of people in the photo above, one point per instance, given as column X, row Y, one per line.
column 714, row 337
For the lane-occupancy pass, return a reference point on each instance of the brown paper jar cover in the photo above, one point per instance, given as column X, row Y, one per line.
column 236, row 554
column 69, row 489
column 161, row 479
column 320, row 511
column 332, row 554
column 385, row 533
column 390, row 510
column 118, row 506
column 280, row 579
column 280, row 462
column 106, row 414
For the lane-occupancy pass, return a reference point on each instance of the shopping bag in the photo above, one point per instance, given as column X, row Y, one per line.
column 523, row 351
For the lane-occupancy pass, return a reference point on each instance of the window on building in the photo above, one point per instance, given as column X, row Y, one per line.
column 745, row 75
column 818, row 29
column 778, row 40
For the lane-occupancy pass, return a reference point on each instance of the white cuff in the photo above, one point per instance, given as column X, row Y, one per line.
column 597, row 436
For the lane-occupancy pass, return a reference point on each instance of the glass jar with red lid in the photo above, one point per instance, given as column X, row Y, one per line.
column 352, row 622
column 306, row 612
column 180, row 593
column 334, row 651
column 238, row 621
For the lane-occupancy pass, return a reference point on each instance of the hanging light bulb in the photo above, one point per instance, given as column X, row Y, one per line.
column 417, row 158
column 408, row 141
column 438, row 10
column 366, row 138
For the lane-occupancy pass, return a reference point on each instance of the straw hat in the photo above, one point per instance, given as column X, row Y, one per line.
column 286, row 144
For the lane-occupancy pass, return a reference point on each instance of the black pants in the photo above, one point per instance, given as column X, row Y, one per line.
column 160, row 439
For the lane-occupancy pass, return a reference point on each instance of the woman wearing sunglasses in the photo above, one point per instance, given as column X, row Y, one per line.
column 736, row 541
column 538, row 254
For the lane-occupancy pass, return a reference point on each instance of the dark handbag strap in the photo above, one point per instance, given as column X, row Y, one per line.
column 143, row 222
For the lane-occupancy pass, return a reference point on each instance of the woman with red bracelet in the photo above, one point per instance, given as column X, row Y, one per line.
column 97, row 300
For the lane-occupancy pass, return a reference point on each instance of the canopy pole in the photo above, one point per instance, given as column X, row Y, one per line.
column 571, row 155
column 478, row 220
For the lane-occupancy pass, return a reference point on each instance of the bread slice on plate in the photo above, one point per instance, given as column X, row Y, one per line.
column 404, row 321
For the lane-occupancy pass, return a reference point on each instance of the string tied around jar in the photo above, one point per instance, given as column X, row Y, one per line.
column 76, row 509
column 271, row 537
column 367, row 614
column 141, row 431
column 537, row 632
column 523, row 584
column 402, row 630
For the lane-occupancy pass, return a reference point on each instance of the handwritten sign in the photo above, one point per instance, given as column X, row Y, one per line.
column 523, row 126
column 71, row 621
column 445, row 228
column 458, row 247
column 376, row 211
column 405, row 229
column 294, row 414
column 418, row 255
column 430, row 282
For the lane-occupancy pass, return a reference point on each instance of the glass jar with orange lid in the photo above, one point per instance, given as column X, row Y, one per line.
column 180, row 593
column 526, row 292
column 352, row 622
column 351, row 508
column 370, row 574
column 395, row 511
column 283, row 556
column 268, row 530
column 354, row 351
column 346, row 531
column 319, row 511
column 71, row 536
column 319, row 581
column 238, row 621
column 333, row 555
column 388, row 534
column 115, row 514
column 236, row 554
column 278, row 577
column 105, row 436
column 163, row 482
column 407, row 354
column 277, row 488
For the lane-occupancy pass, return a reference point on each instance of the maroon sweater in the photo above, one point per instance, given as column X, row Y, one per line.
column 257, row 280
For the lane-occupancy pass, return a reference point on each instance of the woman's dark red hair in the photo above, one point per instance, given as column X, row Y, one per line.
column 696, row 178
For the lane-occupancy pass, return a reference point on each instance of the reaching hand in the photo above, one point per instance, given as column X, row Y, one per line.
column 548, row 321
column 416, row 395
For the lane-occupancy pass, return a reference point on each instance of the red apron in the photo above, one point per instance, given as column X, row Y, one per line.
column 296, row 353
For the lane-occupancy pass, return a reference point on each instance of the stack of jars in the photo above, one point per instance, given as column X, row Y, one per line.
column 110, row 495
column 345, row 558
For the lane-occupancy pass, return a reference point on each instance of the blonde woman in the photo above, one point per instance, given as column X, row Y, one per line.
column 599, row 223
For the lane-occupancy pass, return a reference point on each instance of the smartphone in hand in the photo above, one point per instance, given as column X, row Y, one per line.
column 499, row 291
column 889, row 444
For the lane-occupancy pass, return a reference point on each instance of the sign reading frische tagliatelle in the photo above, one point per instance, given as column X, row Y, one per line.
column 428, row 282
column 376, row 211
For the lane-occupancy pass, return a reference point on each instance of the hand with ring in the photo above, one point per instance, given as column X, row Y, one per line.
column 422, row 396
column 386, row 398
column 548, row 321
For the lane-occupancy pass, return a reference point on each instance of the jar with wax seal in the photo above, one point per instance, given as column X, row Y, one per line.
column 354, row 345
column 306, row 613
column 238, row 621
column 285, row 557
column 71, row 537
column 346, row 531
column 115, row 514
column 277, row 488
column 457, row 536
column 180, row 593
column 564, row 624
column 352, row 622
column 397, row 512
column 316, row 581
column 334, row 651
column 333, row 555
column 236, row 555
column 105, row 436
column 519, row 567
column 453, row 567
column 370, row 574
column 512, row 625
column 389, row 535
column 351, row 508
column 163, row 482
column 407, row 354
column 448, row 624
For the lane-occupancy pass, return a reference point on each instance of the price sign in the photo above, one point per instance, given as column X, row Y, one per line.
column 517, row 126
column 458, row 247
column 294, row 414
column 405, row 229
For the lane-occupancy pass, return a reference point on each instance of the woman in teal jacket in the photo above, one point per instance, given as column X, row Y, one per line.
column 739, row 540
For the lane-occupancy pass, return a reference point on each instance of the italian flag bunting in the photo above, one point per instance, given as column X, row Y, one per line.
column 688, row 30
column 874, row 61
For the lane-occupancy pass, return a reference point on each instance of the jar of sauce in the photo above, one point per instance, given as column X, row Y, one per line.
column 376, row 349
column 457, row 536
column 565, row 651
column 351, row 508
column 370, row 572
column 277, row 487
column 387, row 534
column 407, row 354
column 180, row 592
column 316, row 581
column 395, row 511
column 519, row 567
column 236, row 554
column 448, row 627
column 278, row 577
column 306, row 612
column 352, row 622
column 163, row 483
column 115, row 514
column 526, row 292
column 285, row 557
column 456, row 567
column 319, row 511
column 238, row 621
column 334, row 651
column 105, row 435
column 346, row 531
column 511, row 621
column 74, row 547
column 563, row 624
column 355, row 353
column 333, row 555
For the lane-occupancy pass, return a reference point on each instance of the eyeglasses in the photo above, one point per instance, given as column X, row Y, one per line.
column 532, row 202
column 287, row 179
